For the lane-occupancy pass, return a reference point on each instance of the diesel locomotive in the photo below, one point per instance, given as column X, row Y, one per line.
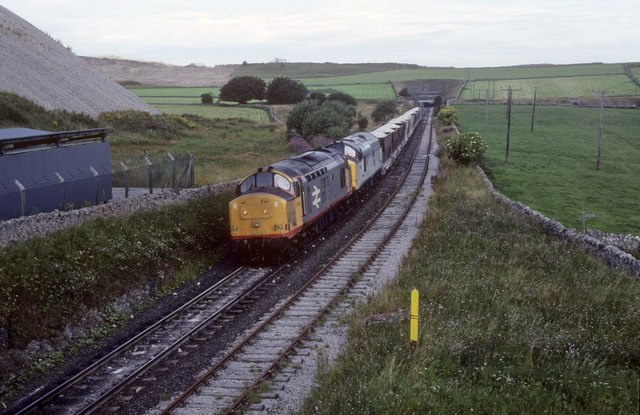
column 282, row 204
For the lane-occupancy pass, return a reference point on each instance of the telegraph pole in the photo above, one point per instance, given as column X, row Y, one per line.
column 600, row 128
column 533, row 112
column 509, row 96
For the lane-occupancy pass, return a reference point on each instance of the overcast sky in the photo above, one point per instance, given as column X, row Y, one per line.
column 460, row 33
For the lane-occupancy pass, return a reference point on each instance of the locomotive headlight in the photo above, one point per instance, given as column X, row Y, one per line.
column 235, row 205
column 244, row 212
column 275, row 203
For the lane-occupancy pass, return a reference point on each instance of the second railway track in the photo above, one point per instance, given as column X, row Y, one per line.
column 271, row 345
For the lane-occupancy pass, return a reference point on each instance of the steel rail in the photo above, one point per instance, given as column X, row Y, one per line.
column 266, row 374
column 125, row 346
column 240, row 401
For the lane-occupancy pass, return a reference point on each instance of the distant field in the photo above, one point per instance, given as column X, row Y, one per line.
column 361, row 91
column 214, row 111
column 473, row 73
column 175, row 91
column 576, row 86
column 552, row 170
column 314, row 70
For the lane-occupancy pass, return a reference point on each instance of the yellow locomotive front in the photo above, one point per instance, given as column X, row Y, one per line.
column 267, row 210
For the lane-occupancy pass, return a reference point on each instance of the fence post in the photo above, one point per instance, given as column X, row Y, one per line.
column 149, row 174
column 126, row 179
column 96, row 183
column 191, row 173
column 173, row 171
column 61, row 180
column 23, row 198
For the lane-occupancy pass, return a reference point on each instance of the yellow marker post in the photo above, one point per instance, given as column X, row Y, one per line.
column 413, row 324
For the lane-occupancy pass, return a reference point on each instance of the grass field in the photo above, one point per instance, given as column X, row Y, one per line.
column 223, row 149
column 308, row 69
column 472, row 74
column 174, row 91
column 577, row 86
column 552, row 169
column 511, row 321
column 382, row 91
column 215, row 111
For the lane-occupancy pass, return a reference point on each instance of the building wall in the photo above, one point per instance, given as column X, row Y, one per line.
column 44, row 191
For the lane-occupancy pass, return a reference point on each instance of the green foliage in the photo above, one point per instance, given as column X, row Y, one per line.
column 511, row 321
column 330, row 118
column 466, row 148
column 362, row 121
column 384, row 110
column 448, row 115
column 206, row 98
column 318, row 96
column 404, row 92
column 16, row 111
column 45, row 282
column 283, row 90
column 243, row 89
column 341, row 96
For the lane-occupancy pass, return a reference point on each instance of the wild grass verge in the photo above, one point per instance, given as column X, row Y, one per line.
column 511, row 321
column 46, row 282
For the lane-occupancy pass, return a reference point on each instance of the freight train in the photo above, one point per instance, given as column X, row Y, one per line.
column 282, row 204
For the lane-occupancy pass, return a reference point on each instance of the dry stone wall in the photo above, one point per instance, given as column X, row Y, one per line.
column 23, row 228
column 609, row 247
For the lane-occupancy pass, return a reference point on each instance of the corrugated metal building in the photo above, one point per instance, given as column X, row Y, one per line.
column 41, row 171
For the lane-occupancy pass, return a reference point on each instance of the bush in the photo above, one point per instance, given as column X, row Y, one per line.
column 363, row 121
column 318, row 96
column 466, row 148
column 206, row 98
column 283, row 90
column 384, row 110
column 298, row 145
column 448, row 115
column 341, row 96
column 243, row 89
column 330, row 118
column 404, row 92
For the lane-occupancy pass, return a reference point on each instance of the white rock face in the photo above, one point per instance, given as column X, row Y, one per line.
column 37, row 67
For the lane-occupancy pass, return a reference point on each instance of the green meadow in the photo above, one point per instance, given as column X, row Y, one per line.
column 559, row 87
column 215, row 111
column 553, row 168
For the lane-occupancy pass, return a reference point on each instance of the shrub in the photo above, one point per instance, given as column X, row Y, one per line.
column 298, row 145
column 448, row 115
column 318, row 96
column 363, row 121
column 404, row 92
column 341, row 96
column 330, row 118
column 283, row 90
column 243, row 89
column 466, row 148
column 384, row 110
column 206, row 98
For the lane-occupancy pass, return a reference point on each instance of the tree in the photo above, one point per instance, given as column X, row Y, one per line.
column 318, row 96
column 283, row 90
column 243, row 89
column 404, row 92
column 206, row 98
column 384, row 110
column 341, row 96
column 330, row 118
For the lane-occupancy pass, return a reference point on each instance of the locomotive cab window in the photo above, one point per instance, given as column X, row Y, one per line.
column 248, row 184
column 349, row 151
column 264, row 180
column 281, row 182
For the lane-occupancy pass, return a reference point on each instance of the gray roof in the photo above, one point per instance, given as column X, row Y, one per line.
column 22, row 138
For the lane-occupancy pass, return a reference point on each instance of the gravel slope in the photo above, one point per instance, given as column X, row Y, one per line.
column 41, row 69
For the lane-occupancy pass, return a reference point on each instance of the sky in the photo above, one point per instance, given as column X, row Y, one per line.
column 459, row 33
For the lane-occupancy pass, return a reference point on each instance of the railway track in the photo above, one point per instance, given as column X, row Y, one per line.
column 195, row 321
column 273, row 344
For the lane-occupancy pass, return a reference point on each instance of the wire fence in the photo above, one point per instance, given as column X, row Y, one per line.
column 156, row 174
column 81, row 187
